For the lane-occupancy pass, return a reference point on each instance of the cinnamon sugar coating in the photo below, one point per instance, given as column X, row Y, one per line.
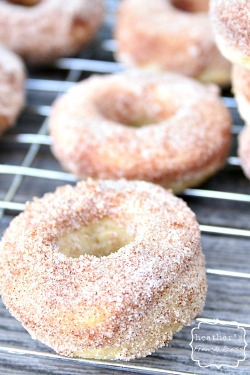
column 12, row 95
column 97, row 130
column 231, row 23
column 49, row 29
column 157, row 35
column 120, row 306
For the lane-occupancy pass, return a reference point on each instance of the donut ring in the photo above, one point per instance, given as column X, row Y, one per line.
column 119, row 306
column 156, row 35
column 47, row 30
column 231, row 25
column 12, row 95
column 91, row 136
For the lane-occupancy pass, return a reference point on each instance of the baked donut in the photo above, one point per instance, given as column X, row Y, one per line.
column 50, row 28
column 139, row 125
column 12, row 95
column 160, row 35
column 108, row 269
column 231, row 23
column 241, row 89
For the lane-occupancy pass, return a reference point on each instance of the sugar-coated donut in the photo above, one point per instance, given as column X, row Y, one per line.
column 231, row 23
column 97, row 129
column 241, row 89
column 108, row 269
column 50, row 28
column 160, row 35
column 12, row 95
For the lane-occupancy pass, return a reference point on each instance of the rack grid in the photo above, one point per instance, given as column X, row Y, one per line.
column 27, row 169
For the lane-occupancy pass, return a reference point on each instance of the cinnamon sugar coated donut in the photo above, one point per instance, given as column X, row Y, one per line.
column 231, row 23
column 50, row 28
column 170, row 35
column 244, row 150
column 163, row 128
column 241, row 89
column 108, row 269
column 12, row 95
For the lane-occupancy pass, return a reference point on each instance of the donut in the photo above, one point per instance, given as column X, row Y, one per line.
column 161, row 35
column 241, row 89
column 163, row 128
column 48, row 29
column 105, row 269
column 230, row 20
column 12, row 94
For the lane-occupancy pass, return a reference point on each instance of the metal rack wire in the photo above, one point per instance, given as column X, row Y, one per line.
column 27, row 168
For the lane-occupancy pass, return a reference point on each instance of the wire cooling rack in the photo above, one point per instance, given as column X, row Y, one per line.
column 27, row 169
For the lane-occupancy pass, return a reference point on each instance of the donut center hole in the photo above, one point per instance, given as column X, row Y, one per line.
column 133, row 110
column 191, row 6
column 100, row 239
column 27, row 3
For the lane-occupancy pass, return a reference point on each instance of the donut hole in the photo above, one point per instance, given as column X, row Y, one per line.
column 99, row 239
column 191, row 6
column 133, row 110
column 27, row 3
